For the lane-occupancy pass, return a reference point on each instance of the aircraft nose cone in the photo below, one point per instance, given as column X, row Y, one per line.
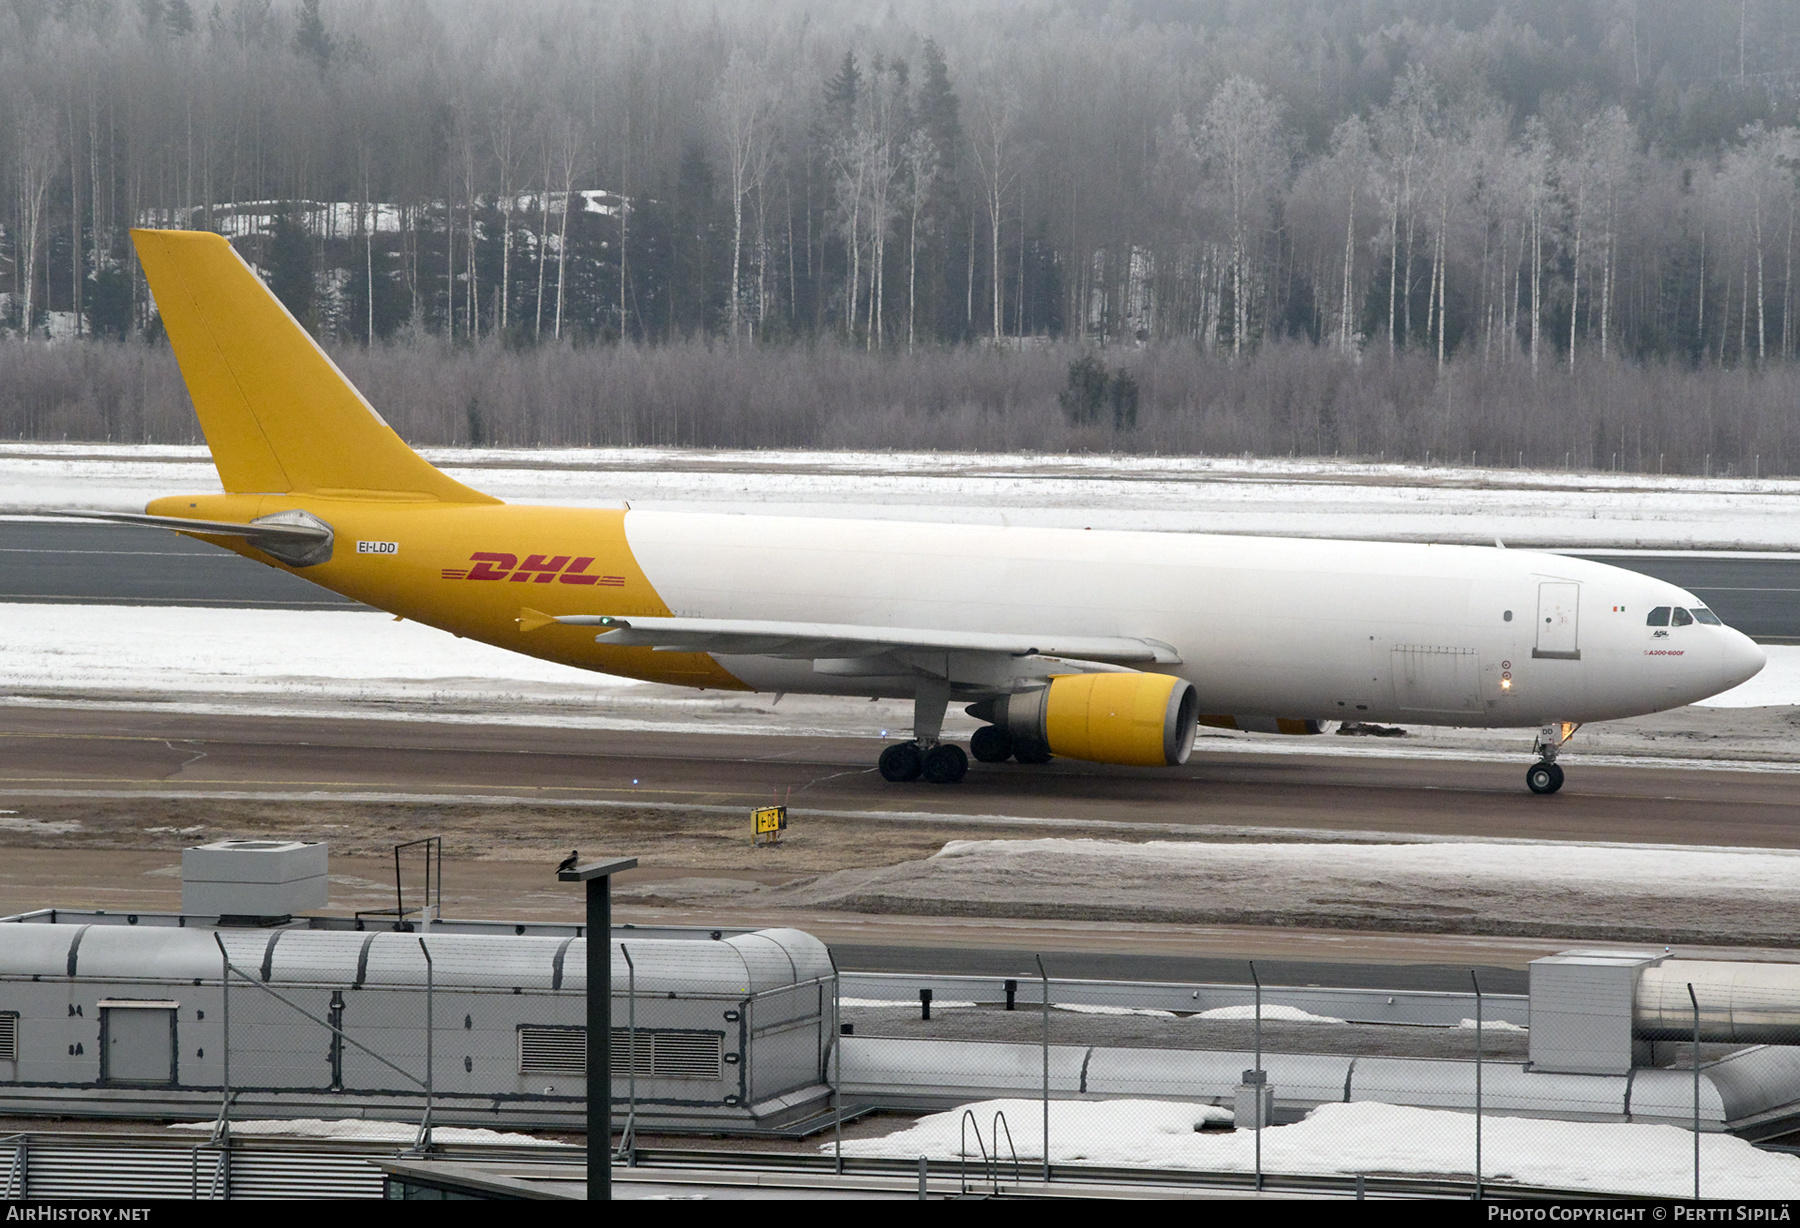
column 1740, row 660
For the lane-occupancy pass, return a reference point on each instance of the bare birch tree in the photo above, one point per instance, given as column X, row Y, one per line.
column 920, row 158
column 36, row 155
column 743, row 109
column 505, row 123
column 1402, row 131
column 994, row 120
column 1245, row 159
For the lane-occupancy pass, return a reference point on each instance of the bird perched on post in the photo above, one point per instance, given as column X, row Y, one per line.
column 568, row 863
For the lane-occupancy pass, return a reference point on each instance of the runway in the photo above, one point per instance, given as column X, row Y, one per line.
column 118, row 565
column 50, row 752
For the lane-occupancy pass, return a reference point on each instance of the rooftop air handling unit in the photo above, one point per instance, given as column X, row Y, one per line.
column 254, row 881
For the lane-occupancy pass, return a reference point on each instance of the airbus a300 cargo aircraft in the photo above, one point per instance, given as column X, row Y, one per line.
column 1103, row 646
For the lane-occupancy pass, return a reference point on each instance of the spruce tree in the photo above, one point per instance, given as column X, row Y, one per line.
column 290, row 271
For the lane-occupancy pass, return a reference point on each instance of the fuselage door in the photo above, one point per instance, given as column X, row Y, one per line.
column 1558, row 624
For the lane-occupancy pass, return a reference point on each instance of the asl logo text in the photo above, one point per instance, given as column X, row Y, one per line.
column 492, row 565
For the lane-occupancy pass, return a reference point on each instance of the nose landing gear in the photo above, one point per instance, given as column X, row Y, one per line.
column 1545, row 776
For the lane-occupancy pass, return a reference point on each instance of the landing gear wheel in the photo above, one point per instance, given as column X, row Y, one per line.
column 991, row 744
column 901, row 762
column 1544, row 778
column 945, row 764
column 1030, row 750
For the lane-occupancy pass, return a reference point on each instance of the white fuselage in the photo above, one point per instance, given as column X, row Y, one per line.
column 1265, row 627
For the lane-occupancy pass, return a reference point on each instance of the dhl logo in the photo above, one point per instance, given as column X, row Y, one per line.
column 491, row 565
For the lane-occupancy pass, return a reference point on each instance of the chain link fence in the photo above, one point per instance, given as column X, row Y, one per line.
column 1031, row 1078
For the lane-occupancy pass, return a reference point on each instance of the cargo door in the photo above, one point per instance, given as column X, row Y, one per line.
column 1558, row 623
column 137, row 1042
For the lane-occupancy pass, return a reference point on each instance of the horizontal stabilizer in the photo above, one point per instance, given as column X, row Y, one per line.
column 801, row 641
column 297, row 538
column 291, row 532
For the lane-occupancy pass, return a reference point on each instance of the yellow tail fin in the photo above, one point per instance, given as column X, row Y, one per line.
column 278, row 414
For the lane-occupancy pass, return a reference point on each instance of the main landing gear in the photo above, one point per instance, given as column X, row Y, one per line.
column 1545, row 776
column 938, row 762
column 992, row 744
column 941, row 763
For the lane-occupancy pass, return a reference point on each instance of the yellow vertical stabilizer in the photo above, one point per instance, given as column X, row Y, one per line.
column 278, row 414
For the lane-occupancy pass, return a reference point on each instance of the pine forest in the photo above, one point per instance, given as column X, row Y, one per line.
column 1508, row 232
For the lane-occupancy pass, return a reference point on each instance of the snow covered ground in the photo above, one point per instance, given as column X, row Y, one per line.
column 1346, row 1139
column 1457, row 865
column 358, row 663
column 1657, row 895
column 1320, row 498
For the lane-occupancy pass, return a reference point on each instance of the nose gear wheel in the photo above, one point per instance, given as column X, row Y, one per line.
column 1544, row 777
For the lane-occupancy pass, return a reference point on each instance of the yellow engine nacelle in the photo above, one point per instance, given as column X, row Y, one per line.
column 1147, row 720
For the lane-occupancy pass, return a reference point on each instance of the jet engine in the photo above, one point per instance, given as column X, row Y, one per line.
column 1146, row 720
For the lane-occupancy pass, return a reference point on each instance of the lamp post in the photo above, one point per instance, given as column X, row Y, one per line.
column 598, row 877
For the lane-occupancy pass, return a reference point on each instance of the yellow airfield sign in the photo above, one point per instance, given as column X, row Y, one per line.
column 768, row 821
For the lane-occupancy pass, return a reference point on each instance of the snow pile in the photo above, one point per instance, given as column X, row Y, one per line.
column 1585, row 891
column 1134, row 1132
column 1650, row 870
column 1094, row 1008
column 1493, row 1025
column 1346, row 1139
column 1270, row 1013
column 368, row 1132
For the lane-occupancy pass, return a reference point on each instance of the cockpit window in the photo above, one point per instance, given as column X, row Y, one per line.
column 1659, row 617
column 1683, row 618
column 1706, row 616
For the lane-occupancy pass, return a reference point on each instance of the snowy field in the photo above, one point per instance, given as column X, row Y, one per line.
column 1452, row 865
column 1657, row 895
column 1346, row 1139
column 1320, row 498
column 355, row 663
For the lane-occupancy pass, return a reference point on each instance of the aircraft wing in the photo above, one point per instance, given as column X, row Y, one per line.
column 804, row 640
